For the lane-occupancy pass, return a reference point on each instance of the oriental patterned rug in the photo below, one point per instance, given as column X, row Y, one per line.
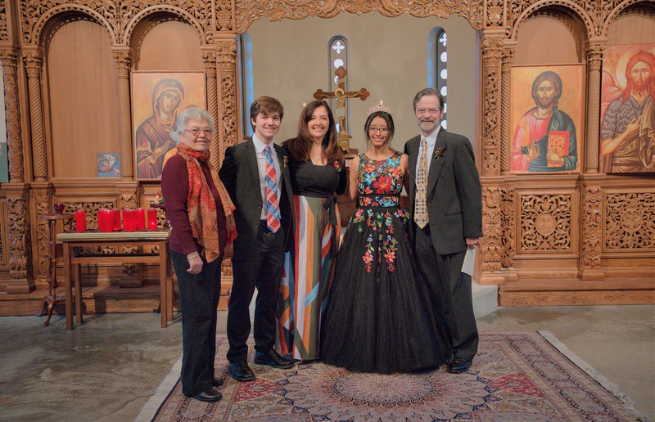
column 524, row 376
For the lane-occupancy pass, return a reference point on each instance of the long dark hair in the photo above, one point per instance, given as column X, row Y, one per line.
column 301, row 146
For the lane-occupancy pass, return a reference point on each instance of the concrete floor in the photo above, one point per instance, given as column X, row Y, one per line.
column 107, row 369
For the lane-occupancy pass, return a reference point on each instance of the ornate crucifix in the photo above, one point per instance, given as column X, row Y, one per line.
column 342, row 95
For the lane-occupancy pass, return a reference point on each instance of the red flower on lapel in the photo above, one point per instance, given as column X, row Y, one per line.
column 337, row 166
column 438, row 153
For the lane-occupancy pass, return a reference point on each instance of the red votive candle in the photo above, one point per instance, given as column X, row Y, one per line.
column 128, row 220
column 117, row 219
column 140, row 219
column 105, row 220
column 101, row 220
column 80, row 221
column 109, row 222
column 152, row 219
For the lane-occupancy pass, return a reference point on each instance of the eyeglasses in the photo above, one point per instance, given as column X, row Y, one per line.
column 196, row 132
column 432, row 111
column 382, row 130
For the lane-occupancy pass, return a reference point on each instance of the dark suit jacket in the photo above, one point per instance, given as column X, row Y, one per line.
column 240, row 175
column 454, row 196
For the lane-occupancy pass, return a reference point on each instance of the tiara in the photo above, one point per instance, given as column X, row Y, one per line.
column 378, row 107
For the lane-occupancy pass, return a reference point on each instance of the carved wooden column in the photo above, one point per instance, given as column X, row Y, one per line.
column 505, row 130
column 491, row 250
column 14, row 140
column 594, row 60
column 491, row 77
column 33, row 58
column 128, row 188
column 122, row 55
column 227, row 80
column 18, row 223
column 209, row 59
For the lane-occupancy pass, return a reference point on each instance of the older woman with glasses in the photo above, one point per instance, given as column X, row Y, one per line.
column 200, row 214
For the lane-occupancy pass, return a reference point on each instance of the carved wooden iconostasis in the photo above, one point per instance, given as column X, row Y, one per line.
column 577, row 237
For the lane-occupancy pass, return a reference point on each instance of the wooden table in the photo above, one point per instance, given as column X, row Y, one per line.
column 93, row 238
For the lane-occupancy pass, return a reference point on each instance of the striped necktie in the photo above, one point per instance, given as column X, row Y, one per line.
column 420, row 207
column 272, row 209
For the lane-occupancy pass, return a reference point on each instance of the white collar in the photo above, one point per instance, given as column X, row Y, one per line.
column 259, row 145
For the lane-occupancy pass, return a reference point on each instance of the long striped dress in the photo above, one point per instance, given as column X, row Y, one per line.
column 310, row 265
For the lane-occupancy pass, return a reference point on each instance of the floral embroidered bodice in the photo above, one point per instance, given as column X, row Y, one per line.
column 379, row 183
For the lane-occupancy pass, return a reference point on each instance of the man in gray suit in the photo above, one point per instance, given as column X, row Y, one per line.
column 256, row 175
column 446, row 206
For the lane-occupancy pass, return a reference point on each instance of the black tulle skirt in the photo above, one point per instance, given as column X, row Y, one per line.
column 379, row 317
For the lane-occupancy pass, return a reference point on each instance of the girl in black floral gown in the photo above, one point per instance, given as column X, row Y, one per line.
column 379, row 317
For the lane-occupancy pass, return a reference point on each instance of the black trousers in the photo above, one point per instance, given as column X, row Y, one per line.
column 449, row 289
column 257, row 263
column 199, row 295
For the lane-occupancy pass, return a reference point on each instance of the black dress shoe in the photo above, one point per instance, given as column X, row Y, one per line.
column 240, row 371
column 209, row 395
column 217, row 382
column 459, row 365
column 274, row 359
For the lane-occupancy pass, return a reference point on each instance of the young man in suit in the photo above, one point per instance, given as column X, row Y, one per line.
column 446, row 206
column 256, row 175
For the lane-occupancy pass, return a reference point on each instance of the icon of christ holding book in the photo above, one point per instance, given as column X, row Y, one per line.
column 545, row 139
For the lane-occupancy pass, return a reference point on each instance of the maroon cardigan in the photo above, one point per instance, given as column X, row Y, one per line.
column 175, row 189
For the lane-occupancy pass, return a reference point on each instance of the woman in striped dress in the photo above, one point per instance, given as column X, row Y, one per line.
column 317, row 174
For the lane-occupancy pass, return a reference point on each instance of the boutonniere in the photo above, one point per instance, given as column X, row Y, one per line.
column 285, row 161
column 438, row 153
column 159, row 198
column 337, row 166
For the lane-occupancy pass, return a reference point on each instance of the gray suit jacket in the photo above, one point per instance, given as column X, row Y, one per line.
column 240, row 175
column 454, row 196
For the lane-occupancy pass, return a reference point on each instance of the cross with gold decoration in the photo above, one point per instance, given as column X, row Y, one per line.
column 342, row 95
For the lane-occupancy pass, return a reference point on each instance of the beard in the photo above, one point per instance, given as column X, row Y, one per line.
column 546, row 102
column 428, row 125
column 640, row 86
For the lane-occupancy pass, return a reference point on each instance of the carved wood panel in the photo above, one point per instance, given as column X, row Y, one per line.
column 248, row 11
column 19, row 235
column 42, row 207
column 508, row 222
column 546, row 222
column 492, row 242
column 630, row 221
column 591, row 226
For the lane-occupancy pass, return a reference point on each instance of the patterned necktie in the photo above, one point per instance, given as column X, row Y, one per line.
column 272, row 209
column 420, row 208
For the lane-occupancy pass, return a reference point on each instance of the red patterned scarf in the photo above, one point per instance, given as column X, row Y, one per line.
column 201, row 206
